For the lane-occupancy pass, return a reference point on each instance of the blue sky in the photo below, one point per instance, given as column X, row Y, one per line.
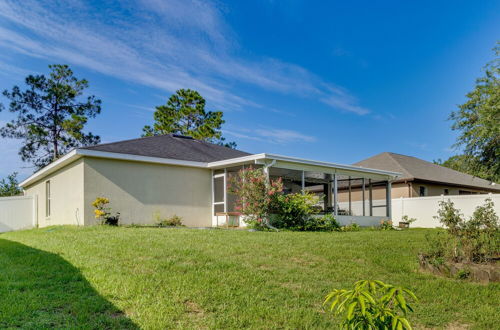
column 328, row 80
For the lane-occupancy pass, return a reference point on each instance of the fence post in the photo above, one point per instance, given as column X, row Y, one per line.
column 402, row 207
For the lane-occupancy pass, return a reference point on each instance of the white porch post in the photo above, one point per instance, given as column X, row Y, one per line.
column 335, row 195
column 363, row 196
column 350, row 199
column 370, row 196
column 303, row 182
column 388, row 199
column 225, row 190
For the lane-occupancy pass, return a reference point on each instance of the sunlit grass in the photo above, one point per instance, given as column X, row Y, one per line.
column 163, row 278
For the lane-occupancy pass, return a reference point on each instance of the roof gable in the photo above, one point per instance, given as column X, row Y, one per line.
column 172, row 147
column 414, row 168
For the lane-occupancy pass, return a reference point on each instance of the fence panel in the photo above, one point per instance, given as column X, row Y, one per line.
column 17, row 213
column 425, row 208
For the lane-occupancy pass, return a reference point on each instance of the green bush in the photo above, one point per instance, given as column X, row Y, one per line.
column 351, row 227
column 372, row 305
column 326, row 222
column 473, row 240
column 293, row 211
column 173, row 221
column 386, row 225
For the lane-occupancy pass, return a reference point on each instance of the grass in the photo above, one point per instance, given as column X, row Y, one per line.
column 102, row 277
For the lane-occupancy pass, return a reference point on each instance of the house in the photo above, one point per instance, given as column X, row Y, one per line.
column 421, row 178
column 170, row 174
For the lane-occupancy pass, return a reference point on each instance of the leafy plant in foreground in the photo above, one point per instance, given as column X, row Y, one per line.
column 372, row 305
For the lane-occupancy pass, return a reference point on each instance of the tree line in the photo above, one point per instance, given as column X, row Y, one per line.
column 53, row 110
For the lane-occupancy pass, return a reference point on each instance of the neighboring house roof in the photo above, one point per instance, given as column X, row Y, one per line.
column 172, row 147
column 413, row 168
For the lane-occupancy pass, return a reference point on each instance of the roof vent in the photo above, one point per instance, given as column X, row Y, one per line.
column 183, row 136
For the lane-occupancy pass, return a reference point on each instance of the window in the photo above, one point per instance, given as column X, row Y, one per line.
column 446, row 191
column 422, row 191
column 47, row 198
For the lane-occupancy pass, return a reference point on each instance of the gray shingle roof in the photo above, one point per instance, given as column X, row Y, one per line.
column 171, row 147
column 414, row 168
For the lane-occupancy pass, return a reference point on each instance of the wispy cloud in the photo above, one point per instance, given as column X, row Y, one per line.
column 163, row 44
column 270, row 135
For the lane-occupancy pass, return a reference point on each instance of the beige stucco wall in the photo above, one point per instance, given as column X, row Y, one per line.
column 401, row 189
column 437, row 190
column 140, row 190
column 66, row 190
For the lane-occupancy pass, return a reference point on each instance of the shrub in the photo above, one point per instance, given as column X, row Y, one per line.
column 372, row 305
column 254, row 195
column 324, row 223
column 407, row 219
column 386, row 225
column 293, row 211
column 173, row 221
column 103, row 212
column 351, row 227
column 475, row 240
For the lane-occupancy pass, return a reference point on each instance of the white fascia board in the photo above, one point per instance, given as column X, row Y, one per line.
column 236, row 161
column 264, row 157
column 78, row 153
column 333, row 165
column 52, row 167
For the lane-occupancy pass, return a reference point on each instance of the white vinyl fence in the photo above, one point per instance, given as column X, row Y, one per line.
column 17, row 213
column 425, row 208
column 422, row 208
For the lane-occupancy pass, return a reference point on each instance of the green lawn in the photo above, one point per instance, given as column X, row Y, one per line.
column 102, row 277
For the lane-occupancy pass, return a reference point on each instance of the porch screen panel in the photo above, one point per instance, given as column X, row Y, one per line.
column 219, row 189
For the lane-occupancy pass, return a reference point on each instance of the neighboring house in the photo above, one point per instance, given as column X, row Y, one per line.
column 170, row 174
column 421, row 178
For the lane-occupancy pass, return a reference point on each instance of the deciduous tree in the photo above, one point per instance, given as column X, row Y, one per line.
column 478, row 122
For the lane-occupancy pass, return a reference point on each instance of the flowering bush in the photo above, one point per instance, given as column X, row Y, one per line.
column 103, row 212
column 386, row 225
column 255, row 195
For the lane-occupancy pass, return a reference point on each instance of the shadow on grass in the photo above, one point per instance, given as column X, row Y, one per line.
column 39, row 289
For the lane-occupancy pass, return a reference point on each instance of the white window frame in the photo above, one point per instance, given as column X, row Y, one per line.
column 48, row 199
column 215, row 176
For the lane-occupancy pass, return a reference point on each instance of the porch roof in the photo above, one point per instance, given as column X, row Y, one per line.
column 301, row 164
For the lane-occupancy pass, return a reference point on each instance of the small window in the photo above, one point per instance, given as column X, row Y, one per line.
column 446, row 191
column 47, row 198
column 422, row 191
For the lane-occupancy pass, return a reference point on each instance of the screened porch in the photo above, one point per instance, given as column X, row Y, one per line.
column 352, row 194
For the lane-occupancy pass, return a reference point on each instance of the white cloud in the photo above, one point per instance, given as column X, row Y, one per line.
column 163, row 44
column 270, row 135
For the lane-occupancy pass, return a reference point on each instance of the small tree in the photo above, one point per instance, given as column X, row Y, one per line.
column 372, row 305
column 9, row 186
column 50, row 115
column 255, row 195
